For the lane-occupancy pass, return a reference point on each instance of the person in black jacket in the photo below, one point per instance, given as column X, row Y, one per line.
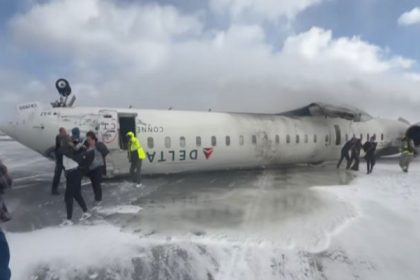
column 76, row 162
column 96, row 169
column 58, row 161
column 355, row 154
column 345, row 152
column 370, row 149
column 5, row 183
column 103, row 149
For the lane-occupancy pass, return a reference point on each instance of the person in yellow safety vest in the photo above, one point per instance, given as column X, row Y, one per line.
column 136, row 155
column 407, row 153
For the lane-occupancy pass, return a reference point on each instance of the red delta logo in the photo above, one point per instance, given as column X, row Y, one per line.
column 208, row 152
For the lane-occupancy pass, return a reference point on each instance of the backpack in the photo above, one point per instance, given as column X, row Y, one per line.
column 102, row 148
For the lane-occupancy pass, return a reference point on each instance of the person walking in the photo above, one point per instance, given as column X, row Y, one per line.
column 76, row 162
column 345, row 151
column 58, row 161
column 5, row 183
column 136, row 155
column 370, row 149
column 355, row 155
column 407, row 153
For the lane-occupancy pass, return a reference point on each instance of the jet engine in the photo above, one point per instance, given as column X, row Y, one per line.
column 413, row 132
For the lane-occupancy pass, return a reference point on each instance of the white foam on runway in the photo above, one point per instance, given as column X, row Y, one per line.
column 67, row 251
column 120, row 209
column 367, row 230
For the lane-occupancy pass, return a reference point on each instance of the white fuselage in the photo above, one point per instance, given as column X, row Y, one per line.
column 183, row 141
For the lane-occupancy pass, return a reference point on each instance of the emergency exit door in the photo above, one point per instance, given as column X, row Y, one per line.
column 108, row 128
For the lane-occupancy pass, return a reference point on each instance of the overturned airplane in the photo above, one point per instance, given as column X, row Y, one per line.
column 183, row 141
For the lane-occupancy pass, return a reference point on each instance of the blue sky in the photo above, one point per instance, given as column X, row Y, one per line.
column 271, row 55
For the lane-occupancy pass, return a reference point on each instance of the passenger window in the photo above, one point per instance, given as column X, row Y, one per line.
column 315, row 138
column 182, row 142
column 306, row 138
column 265, row 140
column 198, row 141
column 287, row 139
column 254, row 139
column 150, row 143
column 241, row 140
column 227, row 140
column 297, row 139
column 167, row 142
column 213, row 141
column 277, row 139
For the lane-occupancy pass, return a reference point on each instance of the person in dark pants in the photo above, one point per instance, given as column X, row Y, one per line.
column 345, row 152
column 136, row 155
column 58, row 161
column 76, row 162
column 96, row 167
column 5, row 183
column 135, row 170
column 355, row 154
column 370, row 149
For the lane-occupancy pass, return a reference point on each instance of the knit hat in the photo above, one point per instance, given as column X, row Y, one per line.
column 75, row 133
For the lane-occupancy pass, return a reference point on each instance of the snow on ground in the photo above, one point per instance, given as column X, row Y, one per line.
column 120, row 209
column 369, row 229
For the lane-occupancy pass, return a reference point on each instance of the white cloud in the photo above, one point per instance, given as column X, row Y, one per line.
column 410, row 17
column 97, row 29
column 318, row 45
column 270, row 10
column 157, row 57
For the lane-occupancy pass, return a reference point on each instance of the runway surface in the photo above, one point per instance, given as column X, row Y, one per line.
column 308, row 222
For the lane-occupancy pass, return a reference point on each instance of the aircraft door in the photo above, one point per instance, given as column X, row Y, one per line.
column 338, row 139
column 108, row 128
column 127, row 123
